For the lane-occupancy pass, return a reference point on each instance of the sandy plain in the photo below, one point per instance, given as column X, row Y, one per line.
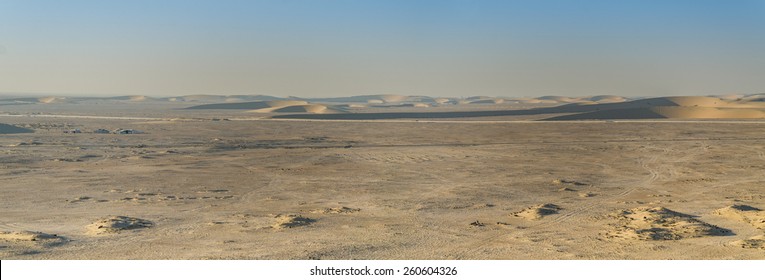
column 234, row 184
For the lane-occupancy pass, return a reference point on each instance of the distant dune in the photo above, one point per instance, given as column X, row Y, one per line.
column 11, row 129
column 372, row 99
column 561, row 99
column 607, row 99
column 275, row 106
column 310, row 108
column 222, row 98
column 257, row 105
column 51, row 99
column 132, row 98
column 667, row 112
column 441, row 100
column 678, row 107
column 553, row 107
column 488, row 101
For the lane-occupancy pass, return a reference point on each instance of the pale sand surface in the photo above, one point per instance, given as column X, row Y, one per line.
column 198, row 187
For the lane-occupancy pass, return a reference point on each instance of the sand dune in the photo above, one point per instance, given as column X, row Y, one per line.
column 560, row 99
column 251, row 105
column 222, row 98
column 405, row 105
column 139, row 98
column 534, row 101
column 309, row 108
column 729, row 97
column 51, row 99
column 275, row 106
column 372, row 99
column 678, row 107
column 607, row 99
column 660, row 223
column 667, row 112
column 131, row 98
column 441, row 100
column 392, row 98
column 18, row 100
column 12, row 129
column 488, row 101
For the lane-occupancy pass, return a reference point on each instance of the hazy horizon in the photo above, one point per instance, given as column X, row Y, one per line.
column 344, row 48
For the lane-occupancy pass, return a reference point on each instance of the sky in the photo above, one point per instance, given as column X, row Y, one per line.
column 326, row 48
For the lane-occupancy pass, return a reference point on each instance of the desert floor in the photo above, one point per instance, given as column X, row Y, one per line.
column 198, row 188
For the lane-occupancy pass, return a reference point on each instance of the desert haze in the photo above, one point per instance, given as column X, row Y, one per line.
column 382, row 177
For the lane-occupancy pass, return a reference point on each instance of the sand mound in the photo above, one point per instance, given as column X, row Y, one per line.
column 11, row 129
column 257, row 105
column 755, row 242
column 537, row 212
column 660, row 223
column 29, row 236
column 744, row 213
column 336, row 210
column 291, row 221
column 116, row 224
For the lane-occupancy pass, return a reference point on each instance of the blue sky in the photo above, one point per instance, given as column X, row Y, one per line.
column 419, row 47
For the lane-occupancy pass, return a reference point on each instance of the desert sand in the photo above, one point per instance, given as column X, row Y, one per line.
column 378, row 177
